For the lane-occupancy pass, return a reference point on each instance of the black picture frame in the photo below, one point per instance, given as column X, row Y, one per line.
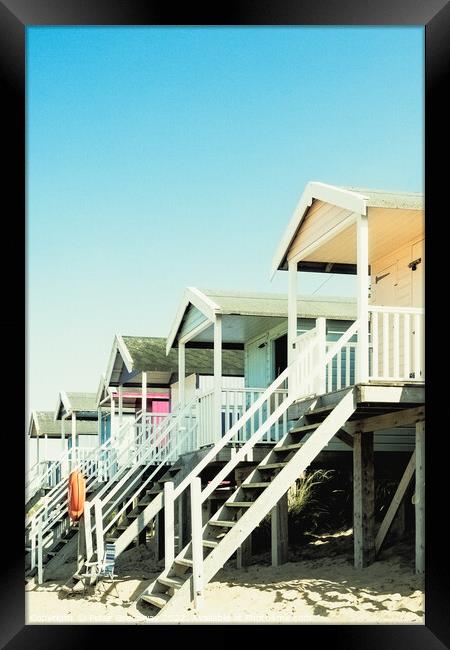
column 15, row 16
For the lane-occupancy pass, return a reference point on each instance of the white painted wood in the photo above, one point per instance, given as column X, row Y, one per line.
column 362, row 260
column 321, row 342
column 144, row 397
column 197, row 536
column 218, row 377
column 73, row 458
column 40, row 551
column 99, row 532
column 395, row 503
column 303, row 247
column 120, row 393
column 386, row 341
column 113, row 419
column 396, row 343
column 182, row 374
column 88, row 530
column 375, row 343
column 292, row 313
column 420, row 497
column 417, row 345
column 169, row 524
column 195, row 332
column 336, row 196
column 406, row 345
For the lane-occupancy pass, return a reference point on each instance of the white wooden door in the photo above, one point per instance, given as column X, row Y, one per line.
column 384, row 286
column 418, row 276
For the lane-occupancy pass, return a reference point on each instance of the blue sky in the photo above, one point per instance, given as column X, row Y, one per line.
column 164, row 157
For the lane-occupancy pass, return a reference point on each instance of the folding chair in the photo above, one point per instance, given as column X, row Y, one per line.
column 106, row 573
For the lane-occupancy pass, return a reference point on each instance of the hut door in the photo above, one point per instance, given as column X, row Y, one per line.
column 418, row 274
column 385, row 285
column 257, row 364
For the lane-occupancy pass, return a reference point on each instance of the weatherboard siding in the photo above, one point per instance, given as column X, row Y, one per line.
column 317, row 222
column 192, row 319
column 259, row 352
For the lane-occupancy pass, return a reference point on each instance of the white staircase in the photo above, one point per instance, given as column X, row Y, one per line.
column 49, row 531
column 211, row 546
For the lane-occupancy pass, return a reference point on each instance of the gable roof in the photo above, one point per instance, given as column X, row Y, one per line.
column 148, row 354
column 43, row 423
column 351, row 198
column 73, row 402
column 260, row 304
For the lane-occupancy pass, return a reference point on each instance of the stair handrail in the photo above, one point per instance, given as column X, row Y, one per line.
column 41, row 523
column 93, row 453
column 163, row 430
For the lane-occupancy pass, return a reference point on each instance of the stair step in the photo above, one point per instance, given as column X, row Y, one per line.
column 159, row 600
column 285, row 448
column 174, row 582
column 209, row 543
column 184, row 561
column 247, row 486
column 320, row 409
column 239, row 504
column 222, row 523
column 271, row 466
column 305, row 428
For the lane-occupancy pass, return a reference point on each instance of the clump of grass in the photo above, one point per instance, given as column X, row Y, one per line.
column 306, row 506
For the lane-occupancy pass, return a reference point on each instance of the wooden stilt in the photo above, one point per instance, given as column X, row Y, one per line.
column 419, row 497
column 363, row 500
column 279, row 525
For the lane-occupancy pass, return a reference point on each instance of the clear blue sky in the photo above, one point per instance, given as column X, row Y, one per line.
column 164, row 157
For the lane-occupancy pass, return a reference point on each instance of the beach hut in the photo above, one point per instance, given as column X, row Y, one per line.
column 379, row 237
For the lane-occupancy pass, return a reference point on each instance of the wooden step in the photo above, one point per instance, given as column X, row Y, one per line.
column 320, row 409
column 174, row 582
column 252, row 486
column 184, row 561
column 305, row 428
column 209, row 543
column 239, row 504
column 222, row 523
column 271, row 466
column 292, row 447
column 159, row 600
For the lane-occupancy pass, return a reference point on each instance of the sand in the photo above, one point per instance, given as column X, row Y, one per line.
column 318, row 585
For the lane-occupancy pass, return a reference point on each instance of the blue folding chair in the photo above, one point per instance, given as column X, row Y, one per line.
column 106, row 573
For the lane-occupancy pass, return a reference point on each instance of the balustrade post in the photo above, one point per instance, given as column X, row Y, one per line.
column 362, row 259
column 197, row 546
column 321, row 348
column 292, row 352
column 169, row 525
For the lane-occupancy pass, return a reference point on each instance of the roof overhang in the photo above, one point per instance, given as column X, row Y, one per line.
column 63, row 406
column 346, row 199
column 195, row 297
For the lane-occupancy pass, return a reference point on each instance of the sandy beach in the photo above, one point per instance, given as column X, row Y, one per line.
column 318, row 585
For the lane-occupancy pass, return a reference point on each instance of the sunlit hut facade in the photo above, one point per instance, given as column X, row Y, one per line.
column 379, row 237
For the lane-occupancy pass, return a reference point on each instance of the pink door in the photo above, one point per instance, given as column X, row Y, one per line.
column 159, row 406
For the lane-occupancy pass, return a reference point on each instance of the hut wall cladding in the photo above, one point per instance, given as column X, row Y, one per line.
column 192, row 318
column 395, row 289
column 320, row 218
column 253, row 350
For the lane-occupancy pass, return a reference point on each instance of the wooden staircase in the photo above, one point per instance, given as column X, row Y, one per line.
column 228, row 528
